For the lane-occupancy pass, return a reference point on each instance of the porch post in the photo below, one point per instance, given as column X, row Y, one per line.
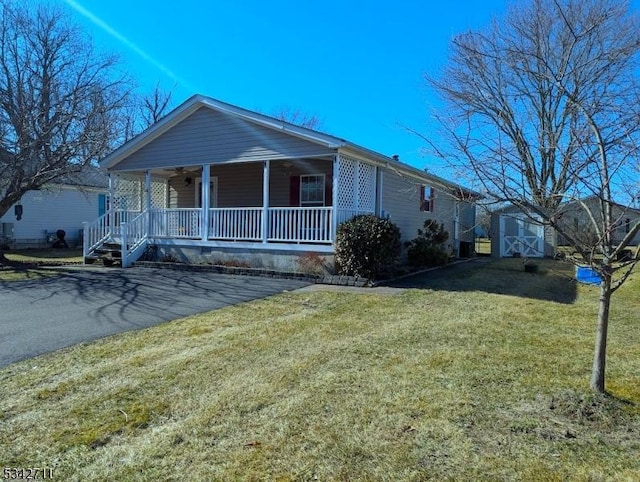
column 334, row 200
column 266, row 172
column 111, row 220
column 147, row 190
column 206, row 194
column 379, row 187
column 147, row 199
column 501, row 234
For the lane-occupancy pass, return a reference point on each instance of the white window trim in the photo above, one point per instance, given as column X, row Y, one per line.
column 308, row 203
column 428, row 193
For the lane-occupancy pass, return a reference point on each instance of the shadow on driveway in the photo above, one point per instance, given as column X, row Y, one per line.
column 43, row 315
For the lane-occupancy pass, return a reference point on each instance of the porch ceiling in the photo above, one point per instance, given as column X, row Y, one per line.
column 196, row 170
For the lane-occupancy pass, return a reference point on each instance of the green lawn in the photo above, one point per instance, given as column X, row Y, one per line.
column 483, row 378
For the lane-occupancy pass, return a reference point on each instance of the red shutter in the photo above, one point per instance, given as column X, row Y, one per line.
column 422, row 203
column 328, row 190
column 294, row 191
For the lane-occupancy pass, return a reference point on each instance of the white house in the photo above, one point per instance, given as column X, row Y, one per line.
column 65, row 205
column 215, row 181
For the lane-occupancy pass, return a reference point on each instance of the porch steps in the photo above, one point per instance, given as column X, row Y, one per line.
column 109, row 254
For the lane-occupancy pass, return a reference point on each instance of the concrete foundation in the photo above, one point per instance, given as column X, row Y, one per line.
column 307, row 262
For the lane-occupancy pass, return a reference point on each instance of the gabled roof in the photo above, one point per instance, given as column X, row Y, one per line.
column 89, row 176
column 593, row 198
column 328, row 141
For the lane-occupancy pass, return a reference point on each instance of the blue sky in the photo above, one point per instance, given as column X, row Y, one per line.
column 357, row 65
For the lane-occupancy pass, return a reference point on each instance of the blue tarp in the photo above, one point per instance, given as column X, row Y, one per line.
column 587, row 275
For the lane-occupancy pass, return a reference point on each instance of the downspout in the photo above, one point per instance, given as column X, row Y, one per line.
column 266, row 173
column 379, row 192
column 206, row 201
column 147, row 201
column 334, row 201
column 110, row 206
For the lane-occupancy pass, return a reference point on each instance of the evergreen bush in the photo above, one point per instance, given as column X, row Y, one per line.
column 427, row 249
column 367, row 246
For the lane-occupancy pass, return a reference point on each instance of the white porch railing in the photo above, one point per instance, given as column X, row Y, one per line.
column 176, row 223
column 134, row 237
column 235, row 223
column 95, row 233
column 284, row 225
column 299, row 224
column 106, row 228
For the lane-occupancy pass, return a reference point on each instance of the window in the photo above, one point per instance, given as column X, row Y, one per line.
column 426, row 199
column 623, row 226
column 312, row 190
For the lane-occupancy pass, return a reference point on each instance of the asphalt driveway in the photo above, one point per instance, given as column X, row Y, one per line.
column 44, row 315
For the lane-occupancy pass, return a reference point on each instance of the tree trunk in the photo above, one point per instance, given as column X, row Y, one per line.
column 600, row 354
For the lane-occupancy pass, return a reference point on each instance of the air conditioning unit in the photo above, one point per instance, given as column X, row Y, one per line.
column 7, row 231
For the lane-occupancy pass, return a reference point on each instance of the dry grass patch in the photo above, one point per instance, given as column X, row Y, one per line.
column 44, row 256
column 456, row 383
column 13, row 273
column 23, row 264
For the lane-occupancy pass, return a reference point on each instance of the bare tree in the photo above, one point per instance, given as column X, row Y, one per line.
column 60, row 100
column 297, row 117
column 155, row 105
column 144, row 110
column 544, row 108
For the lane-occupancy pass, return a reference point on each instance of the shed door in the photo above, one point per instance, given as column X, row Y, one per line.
column 519, row 234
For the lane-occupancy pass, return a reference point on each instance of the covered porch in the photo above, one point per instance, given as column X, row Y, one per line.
column 287, row 205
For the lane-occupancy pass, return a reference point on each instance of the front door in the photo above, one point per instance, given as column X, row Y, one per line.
column 213, row 192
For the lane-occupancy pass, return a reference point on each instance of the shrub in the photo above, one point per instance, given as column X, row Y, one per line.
column 427, row 248
column 367, row 246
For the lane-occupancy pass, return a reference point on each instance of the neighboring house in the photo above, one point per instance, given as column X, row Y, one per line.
column 512, row 231
column 64, row 204
column 575, row 219
column 212, row 182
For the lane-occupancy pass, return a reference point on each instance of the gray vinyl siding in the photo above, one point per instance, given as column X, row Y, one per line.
column 572, row 213
column 401, row 202
column 467, row 221
column 215, row 137
column 240, row 185
column 181, row 195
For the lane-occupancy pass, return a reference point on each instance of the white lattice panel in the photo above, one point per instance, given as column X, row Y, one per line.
column 366, row 187
column 158, row 193
column 128, row 193
column 347, row 179
column 356, row 186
